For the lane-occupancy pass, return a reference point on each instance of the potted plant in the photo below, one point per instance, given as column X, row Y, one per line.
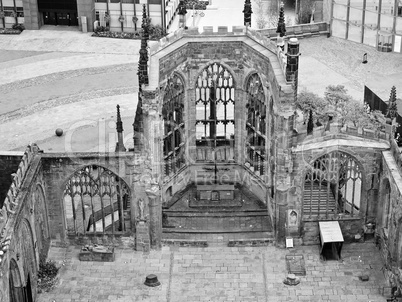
column 135, row 19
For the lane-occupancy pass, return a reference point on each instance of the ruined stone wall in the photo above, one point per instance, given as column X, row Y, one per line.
column 24, row 237
column 58, row 168
column 369, row 159
column 389, row 219
column 9, row 162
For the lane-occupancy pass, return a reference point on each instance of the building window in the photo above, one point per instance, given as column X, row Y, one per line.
column 172, row 112
column 215, row 122
column 332, row 185
column 256, row 125
column 96, row 201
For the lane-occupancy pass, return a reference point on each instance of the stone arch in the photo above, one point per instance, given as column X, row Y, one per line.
column 16, row 288
column 96, row 200
column 333, row 184
column 41, row 221
column 256, row 125
column 25, row 250
column 398, row 244
column 211, row 62
column 384, row 204
column 266, row 85
column 215, row 113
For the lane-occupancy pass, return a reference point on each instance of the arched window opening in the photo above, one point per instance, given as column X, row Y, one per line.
column 387, row 205
column 256, row 125
column 96, row 201
column 333, row 185
column 215, row 122
column 41, row 223
column 172, row 112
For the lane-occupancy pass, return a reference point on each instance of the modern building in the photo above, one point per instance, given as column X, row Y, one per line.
column 377, row 23
column 124, row 15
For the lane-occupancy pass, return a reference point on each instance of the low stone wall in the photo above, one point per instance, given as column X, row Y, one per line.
column 299, row 31
column 352, row 231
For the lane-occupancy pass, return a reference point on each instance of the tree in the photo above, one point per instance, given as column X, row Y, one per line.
column 392, row 107
column 306, row 11
column 339, row 104
column 307, row 101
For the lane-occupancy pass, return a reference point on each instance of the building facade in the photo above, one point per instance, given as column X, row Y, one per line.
column 124, row 15
column 377, row 23
column 218, row 149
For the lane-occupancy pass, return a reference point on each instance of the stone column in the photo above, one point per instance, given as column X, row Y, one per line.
column 155, row 217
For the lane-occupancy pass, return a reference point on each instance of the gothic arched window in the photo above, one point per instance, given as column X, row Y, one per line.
column 96, row 201
column 333, row 185
column 172, row 112
column 256, row 125
column 215, row 121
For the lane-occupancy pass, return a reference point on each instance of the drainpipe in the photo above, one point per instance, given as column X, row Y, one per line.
column 163, row 15
column 15, row 11
column 121, row 14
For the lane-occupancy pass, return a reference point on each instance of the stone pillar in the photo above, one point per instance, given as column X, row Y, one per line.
column 155, row 217
column 32, row 17
column 292, row 65
column 86, row 8
column 142, row 240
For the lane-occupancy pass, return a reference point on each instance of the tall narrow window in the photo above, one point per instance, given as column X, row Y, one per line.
column 172, row 112
column 256, row 125
column 215, row 123
column 333, row 186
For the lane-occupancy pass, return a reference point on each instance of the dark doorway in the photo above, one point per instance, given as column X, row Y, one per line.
column 60, row 18
column 28, row 290
column 62, row 12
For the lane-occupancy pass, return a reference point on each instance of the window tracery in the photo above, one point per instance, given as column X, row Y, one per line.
column 333, row 185
column 172, row 112
column 256, row 125
column 215, row 120
column 96, row 201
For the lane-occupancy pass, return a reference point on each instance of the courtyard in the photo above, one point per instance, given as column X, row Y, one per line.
column 219, row 273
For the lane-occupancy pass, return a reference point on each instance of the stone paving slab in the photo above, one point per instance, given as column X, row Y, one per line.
column 35, row 69
column 218, row 274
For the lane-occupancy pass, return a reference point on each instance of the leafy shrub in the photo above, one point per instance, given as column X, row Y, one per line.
column 102, row 29
column 47, row 275
column 156, row 32
column 19, row 26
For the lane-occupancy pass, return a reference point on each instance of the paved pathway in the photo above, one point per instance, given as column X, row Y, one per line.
column 218, row 274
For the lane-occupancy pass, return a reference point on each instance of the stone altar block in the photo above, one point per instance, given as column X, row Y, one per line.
column 96, row 253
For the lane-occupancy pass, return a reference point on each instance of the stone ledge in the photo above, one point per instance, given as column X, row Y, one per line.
column 250, row 242
column 187, row 243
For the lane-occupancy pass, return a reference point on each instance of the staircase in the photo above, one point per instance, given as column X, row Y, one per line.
column 316, row 201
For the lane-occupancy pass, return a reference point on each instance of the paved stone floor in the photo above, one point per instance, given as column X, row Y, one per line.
column 218, row 273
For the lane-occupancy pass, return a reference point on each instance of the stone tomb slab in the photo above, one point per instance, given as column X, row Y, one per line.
column 295, row 265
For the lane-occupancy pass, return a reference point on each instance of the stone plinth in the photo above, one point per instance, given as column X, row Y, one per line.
column 142, row 237
column 97, row 253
